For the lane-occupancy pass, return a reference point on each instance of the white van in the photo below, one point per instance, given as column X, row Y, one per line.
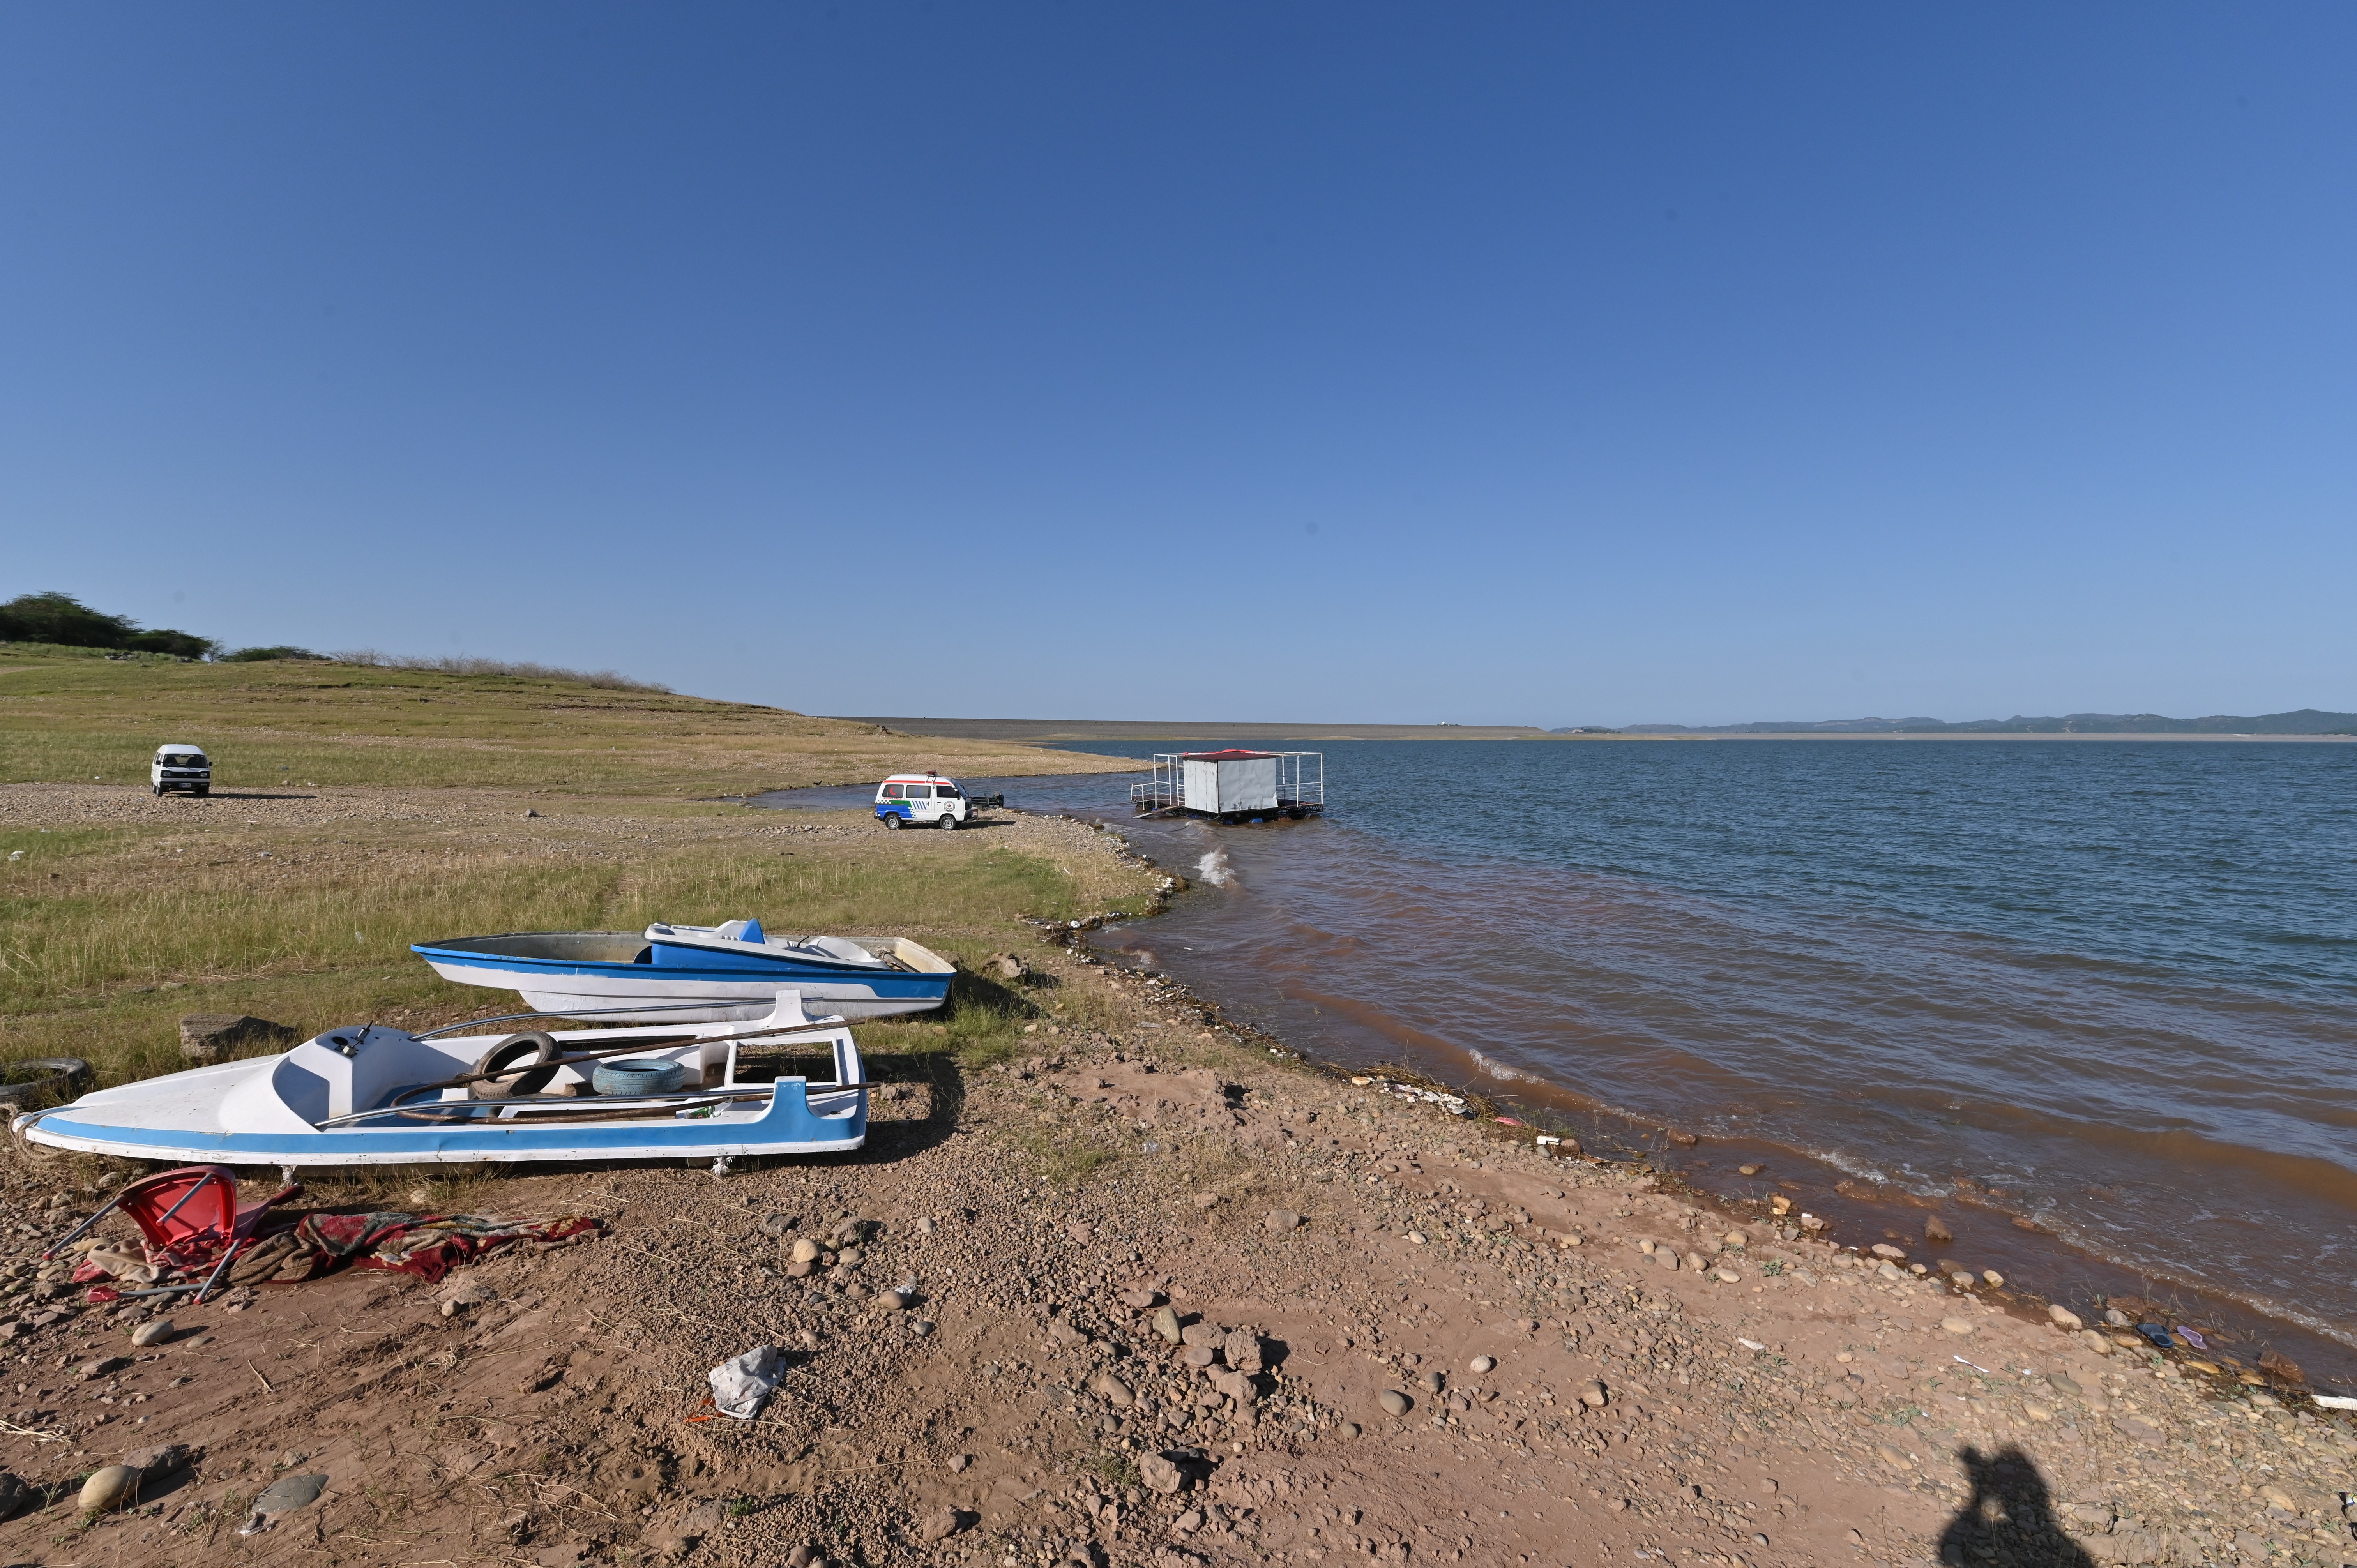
column 921, row 798
column 180, row 767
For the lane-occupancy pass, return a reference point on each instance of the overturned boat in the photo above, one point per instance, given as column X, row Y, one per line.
column 733, row 971
column 380, row 1096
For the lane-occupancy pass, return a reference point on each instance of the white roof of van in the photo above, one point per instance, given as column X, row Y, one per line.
column 177, row 746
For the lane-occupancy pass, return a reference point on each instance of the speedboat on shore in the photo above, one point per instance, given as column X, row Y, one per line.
column 380, row 1096
column 734, row 970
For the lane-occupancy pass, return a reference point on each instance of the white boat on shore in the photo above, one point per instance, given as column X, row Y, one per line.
column 735, row 970
column 382, row 1096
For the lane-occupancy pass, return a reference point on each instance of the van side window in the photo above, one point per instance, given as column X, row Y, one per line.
column 893, row 792
column 946, row 791
column 920, row 791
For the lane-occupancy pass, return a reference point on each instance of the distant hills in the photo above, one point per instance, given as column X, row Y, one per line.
column 2300, row 721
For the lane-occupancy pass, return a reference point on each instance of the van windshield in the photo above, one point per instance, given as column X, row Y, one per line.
column 184, row 759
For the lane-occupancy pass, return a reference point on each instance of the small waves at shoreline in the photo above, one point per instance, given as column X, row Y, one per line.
column 1214, row 868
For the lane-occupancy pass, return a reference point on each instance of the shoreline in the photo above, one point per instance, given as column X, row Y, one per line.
column 2076, row 1276
column 1398, row 1335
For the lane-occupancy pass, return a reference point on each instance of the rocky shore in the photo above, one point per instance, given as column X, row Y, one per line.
column 1147, row 1292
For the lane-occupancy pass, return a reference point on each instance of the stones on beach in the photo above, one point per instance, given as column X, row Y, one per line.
column 1081, row 1231
column 1430, row 1382
column 1885, row 1250
column 1992, row 1279
column 1417, row 1238
column 1394, row 1403
column 1236, row 1386
column 940, row 1524
column 1594, row 1395
column 1166, row 1325
column 1140, row 1300
column 217, row 1036
column 156, row 1331
column 805, row 1251
column 2094, row 1341
column 1281, row 1220
column 100, row 1367
column 1748, row 1170
column 1682, row 1138
column 1065, row 1332
column 15, row 1494
column 1936, row 1229
column 1242, row 1349
column 1890, row 1270
column 1955, row 1325
column 1727, row 1276
column 1199, row 1355
column 1207, row 1200
column 958, row 1462
column 1483, row 1363
column 1210, row 1334
column 1161, row 1474
column 1696, row 1263
column 2064, row 1318
column 776, row 1227
column 109, row 1488
column 1112, row 1391
column 1735, row 1239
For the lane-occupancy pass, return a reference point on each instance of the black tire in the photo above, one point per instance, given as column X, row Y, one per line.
column 532, row 1052
column 157, row 790
column 892, row 820
column 204, row 789
column 40, row 1079
column 949, row 823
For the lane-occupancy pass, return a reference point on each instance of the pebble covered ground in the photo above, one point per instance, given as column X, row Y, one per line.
column 1149, row 1293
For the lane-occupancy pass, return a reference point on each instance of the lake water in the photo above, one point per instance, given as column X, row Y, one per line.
column 2107, row 986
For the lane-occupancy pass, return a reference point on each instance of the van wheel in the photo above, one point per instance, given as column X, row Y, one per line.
column 892, row 820
column 204, row 790
column 949, row 823
column 159, row 790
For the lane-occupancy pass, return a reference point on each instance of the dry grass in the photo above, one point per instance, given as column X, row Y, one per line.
column 303, row 912
column 69, row 717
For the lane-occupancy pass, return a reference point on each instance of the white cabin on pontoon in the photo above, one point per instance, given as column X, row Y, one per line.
column 1234, row 785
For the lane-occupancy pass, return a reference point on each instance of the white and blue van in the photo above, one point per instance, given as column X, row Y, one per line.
column 925, row 800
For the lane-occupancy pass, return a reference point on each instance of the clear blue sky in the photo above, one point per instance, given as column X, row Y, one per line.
column 1548, row 364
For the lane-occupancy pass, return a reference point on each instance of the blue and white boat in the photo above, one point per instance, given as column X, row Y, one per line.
column 378, row 1096
column 733, row 971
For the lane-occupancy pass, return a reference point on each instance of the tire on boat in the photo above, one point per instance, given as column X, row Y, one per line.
column 38, row 1079
column 525, row 1063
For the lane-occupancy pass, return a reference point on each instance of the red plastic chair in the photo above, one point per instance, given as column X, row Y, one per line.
column 190, row 1216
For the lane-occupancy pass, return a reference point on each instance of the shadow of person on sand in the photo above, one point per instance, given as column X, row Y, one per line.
column 2008, row 1520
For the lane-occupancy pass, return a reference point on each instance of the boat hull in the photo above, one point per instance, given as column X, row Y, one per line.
column 377, row 1096
column 582, row 973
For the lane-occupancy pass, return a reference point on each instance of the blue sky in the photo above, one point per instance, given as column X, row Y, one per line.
column 1518, row 364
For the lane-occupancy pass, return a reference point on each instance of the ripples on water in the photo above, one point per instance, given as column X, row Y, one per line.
column 2111, row 979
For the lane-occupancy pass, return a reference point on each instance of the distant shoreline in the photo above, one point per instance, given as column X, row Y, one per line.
column 1043, row 731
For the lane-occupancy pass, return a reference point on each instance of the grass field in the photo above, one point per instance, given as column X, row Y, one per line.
column 74, row 715
column 392, row 810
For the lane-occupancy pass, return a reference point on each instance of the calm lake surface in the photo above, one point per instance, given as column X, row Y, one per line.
column 2109, row 986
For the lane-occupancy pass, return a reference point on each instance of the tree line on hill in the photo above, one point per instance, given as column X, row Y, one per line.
column 65, row 622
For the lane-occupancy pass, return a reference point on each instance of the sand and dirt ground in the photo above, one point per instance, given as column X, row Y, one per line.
column 1584, row 1367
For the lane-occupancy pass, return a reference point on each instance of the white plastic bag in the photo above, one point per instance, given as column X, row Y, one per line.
column 743, row 1384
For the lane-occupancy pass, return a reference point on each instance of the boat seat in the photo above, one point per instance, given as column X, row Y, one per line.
column 189, row 1214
